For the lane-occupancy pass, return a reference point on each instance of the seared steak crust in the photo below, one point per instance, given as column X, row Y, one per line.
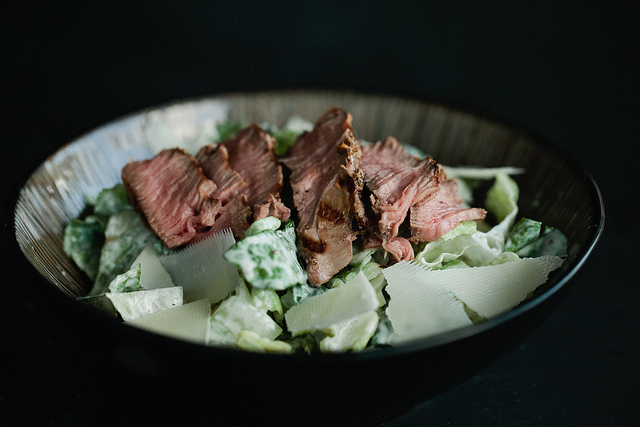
column 327, row 182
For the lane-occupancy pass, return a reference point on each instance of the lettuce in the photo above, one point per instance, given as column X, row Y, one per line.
column 128, row 281
column 229, row 128
column 125, row 237
column 551, row 242
column 111, row 201
column 268, row 259
column 465, row 243
column 350, row 335
column 82, row 242
column 525, row 232
column 237, row 314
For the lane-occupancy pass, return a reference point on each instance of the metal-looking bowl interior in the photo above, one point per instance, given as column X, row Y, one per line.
column 554, row 189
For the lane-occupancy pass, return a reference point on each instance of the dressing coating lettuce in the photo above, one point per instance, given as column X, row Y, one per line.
column 267, row 257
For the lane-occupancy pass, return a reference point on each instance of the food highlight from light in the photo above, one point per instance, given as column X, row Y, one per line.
column 305, row 239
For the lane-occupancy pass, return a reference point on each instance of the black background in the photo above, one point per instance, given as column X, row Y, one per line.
column 566, row 70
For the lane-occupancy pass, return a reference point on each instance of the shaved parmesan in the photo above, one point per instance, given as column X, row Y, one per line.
column 132, row 305
column 419, row 308
column 428, row 302
column 336, row 305
column 472, row 172
column 202, row 270
column 495, row 289
column 153, row 275
column 187, row 322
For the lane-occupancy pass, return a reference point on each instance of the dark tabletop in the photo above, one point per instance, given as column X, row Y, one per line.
column 565, row 71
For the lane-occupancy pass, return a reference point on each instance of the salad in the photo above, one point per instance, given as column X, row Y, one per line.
column 253, row 293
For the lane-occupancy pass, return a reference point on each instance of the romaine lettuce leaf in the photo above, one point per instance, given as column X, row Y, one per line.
column 239, row 313
column 551, row 242
column 449, row 247
column 111, row 201
column 82, row 242
column 525, row 232
column 229, row 128
column 298, row 293
column 350, row 335
column 129, row 281
column 269, row 223
column 125, row 237
column 251, row 341
column 268, row 259
column 502, row 198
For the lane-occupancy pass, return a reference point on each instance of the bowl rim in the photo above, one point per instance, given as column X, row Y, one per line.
column 412, row 346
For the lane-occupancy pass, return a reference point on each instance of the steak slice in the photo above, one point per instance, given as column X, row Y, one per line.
column 396, row 180
column 327, row 182
column 172, row 194
column 272, row 207
column 249, row 178
column 434, row 218
column 251, row 155
column 214, row 160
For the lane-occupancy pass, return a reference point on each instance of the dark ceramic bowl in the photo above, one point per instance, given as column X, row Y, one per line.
column 237, row 386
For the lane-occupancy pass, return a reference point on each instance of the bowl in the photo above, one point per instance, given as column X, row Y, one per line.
column 239, row 387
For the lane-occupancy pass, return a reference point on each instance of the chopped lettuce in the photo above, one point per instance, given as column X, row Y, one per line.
column 269, row 223
column 285, row 138
column 298, row 293
column 449, row 248
column 502, row 198
column 82, row 241
column 111, row 201
column 551, row 242
column 384, row 332
column 525, row 232
column 251, row 341
column 240, row 313
column 269, row 301
column 287, row 135
column 269, row 259
column 229, row 128
column 125, row 237
column 350, row 335
column 129, row 281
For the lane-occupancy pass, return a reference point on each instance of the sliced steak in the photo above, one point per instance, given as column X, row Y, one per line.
column 251, row 155
column 172, row 194
column 327, row 182
column 236, row 215
column 396, row 180
column 272, row 207
column 399, row 248
column 214, row 160
column 434, row 218
column 248, row 175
